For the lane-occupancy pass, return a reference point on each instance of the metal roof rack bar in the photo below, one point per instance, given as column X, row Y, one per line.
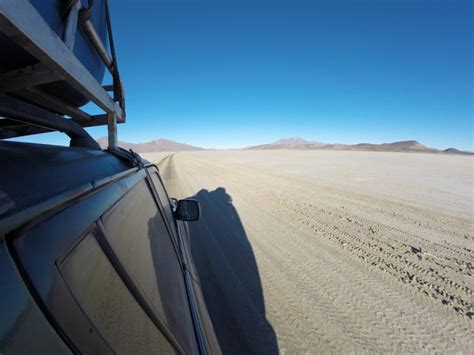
column 20, row 20
column 38, row 97
column 22, row 23
column 21, row 111
column 26, row 77
column 18, row 129
column 11, row 128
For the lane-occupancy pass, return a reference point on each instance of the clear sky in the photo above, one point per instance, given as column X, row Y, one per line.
column 235, row 73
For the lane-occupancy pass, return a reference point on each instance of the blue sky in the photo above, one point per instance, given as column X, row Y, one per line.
column 229, row 74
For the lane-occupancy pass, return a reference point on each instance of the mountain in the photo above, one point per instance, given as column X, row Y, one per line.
column 290, row 143
column 294, row 141
column 158, row 145
column 455, row 151
column 402, row 146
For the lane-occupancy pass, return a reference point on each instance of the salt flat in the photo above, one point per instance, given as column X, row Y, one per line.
column 332, row 251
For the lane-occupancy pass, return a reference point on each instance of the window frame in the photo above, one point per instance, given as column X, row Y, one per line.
column 173, row 233
column 195, row 310
column 178, row 254
column 153, row 169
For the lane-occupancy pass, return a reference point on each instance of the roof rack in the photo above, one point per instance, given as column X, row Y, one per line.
column 24, row 108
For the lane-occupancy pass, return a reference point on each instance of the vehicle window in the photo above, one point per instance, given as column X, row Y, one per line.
column 108, row 303
column 137, row 234
column 164, row 199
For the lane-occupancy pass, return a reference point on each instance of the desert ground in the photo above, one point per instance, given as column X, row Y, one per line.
column 332, row 251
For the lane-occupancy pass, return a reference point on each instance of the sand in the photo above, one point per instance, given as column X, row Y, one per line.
column 328, row 251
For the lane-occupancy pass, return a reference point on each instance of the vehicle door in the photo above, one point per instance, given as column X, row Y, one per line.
column 106, row 273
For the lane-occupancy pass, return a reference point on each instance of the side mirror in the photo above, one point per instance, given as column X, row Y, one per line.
column 188, row 210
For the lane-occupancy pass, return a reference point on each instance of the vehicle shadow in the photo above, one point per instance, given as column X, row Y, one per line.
column 229, row 276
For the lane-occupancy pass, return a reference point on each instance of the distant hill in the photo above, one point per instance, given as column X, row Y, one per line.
column 295, row 141
column 456, row 151
column 290, row 143
column 158, row 145
column 402, row 146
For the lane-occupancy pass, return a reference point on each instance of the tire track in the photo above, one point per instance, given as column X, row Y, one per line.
column 340, row 271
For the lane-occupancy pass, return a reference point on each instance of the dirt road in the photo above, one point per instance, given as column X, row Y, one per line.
column 303, row 252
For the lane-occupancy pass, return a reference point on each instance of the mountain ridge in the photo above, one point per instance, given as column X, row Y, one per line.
column 292, row 143
column 398, row 146
column 156, row 145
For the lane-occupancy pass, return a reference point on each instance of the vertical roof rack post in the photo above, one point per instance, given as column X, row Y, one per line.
column 112, row 129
